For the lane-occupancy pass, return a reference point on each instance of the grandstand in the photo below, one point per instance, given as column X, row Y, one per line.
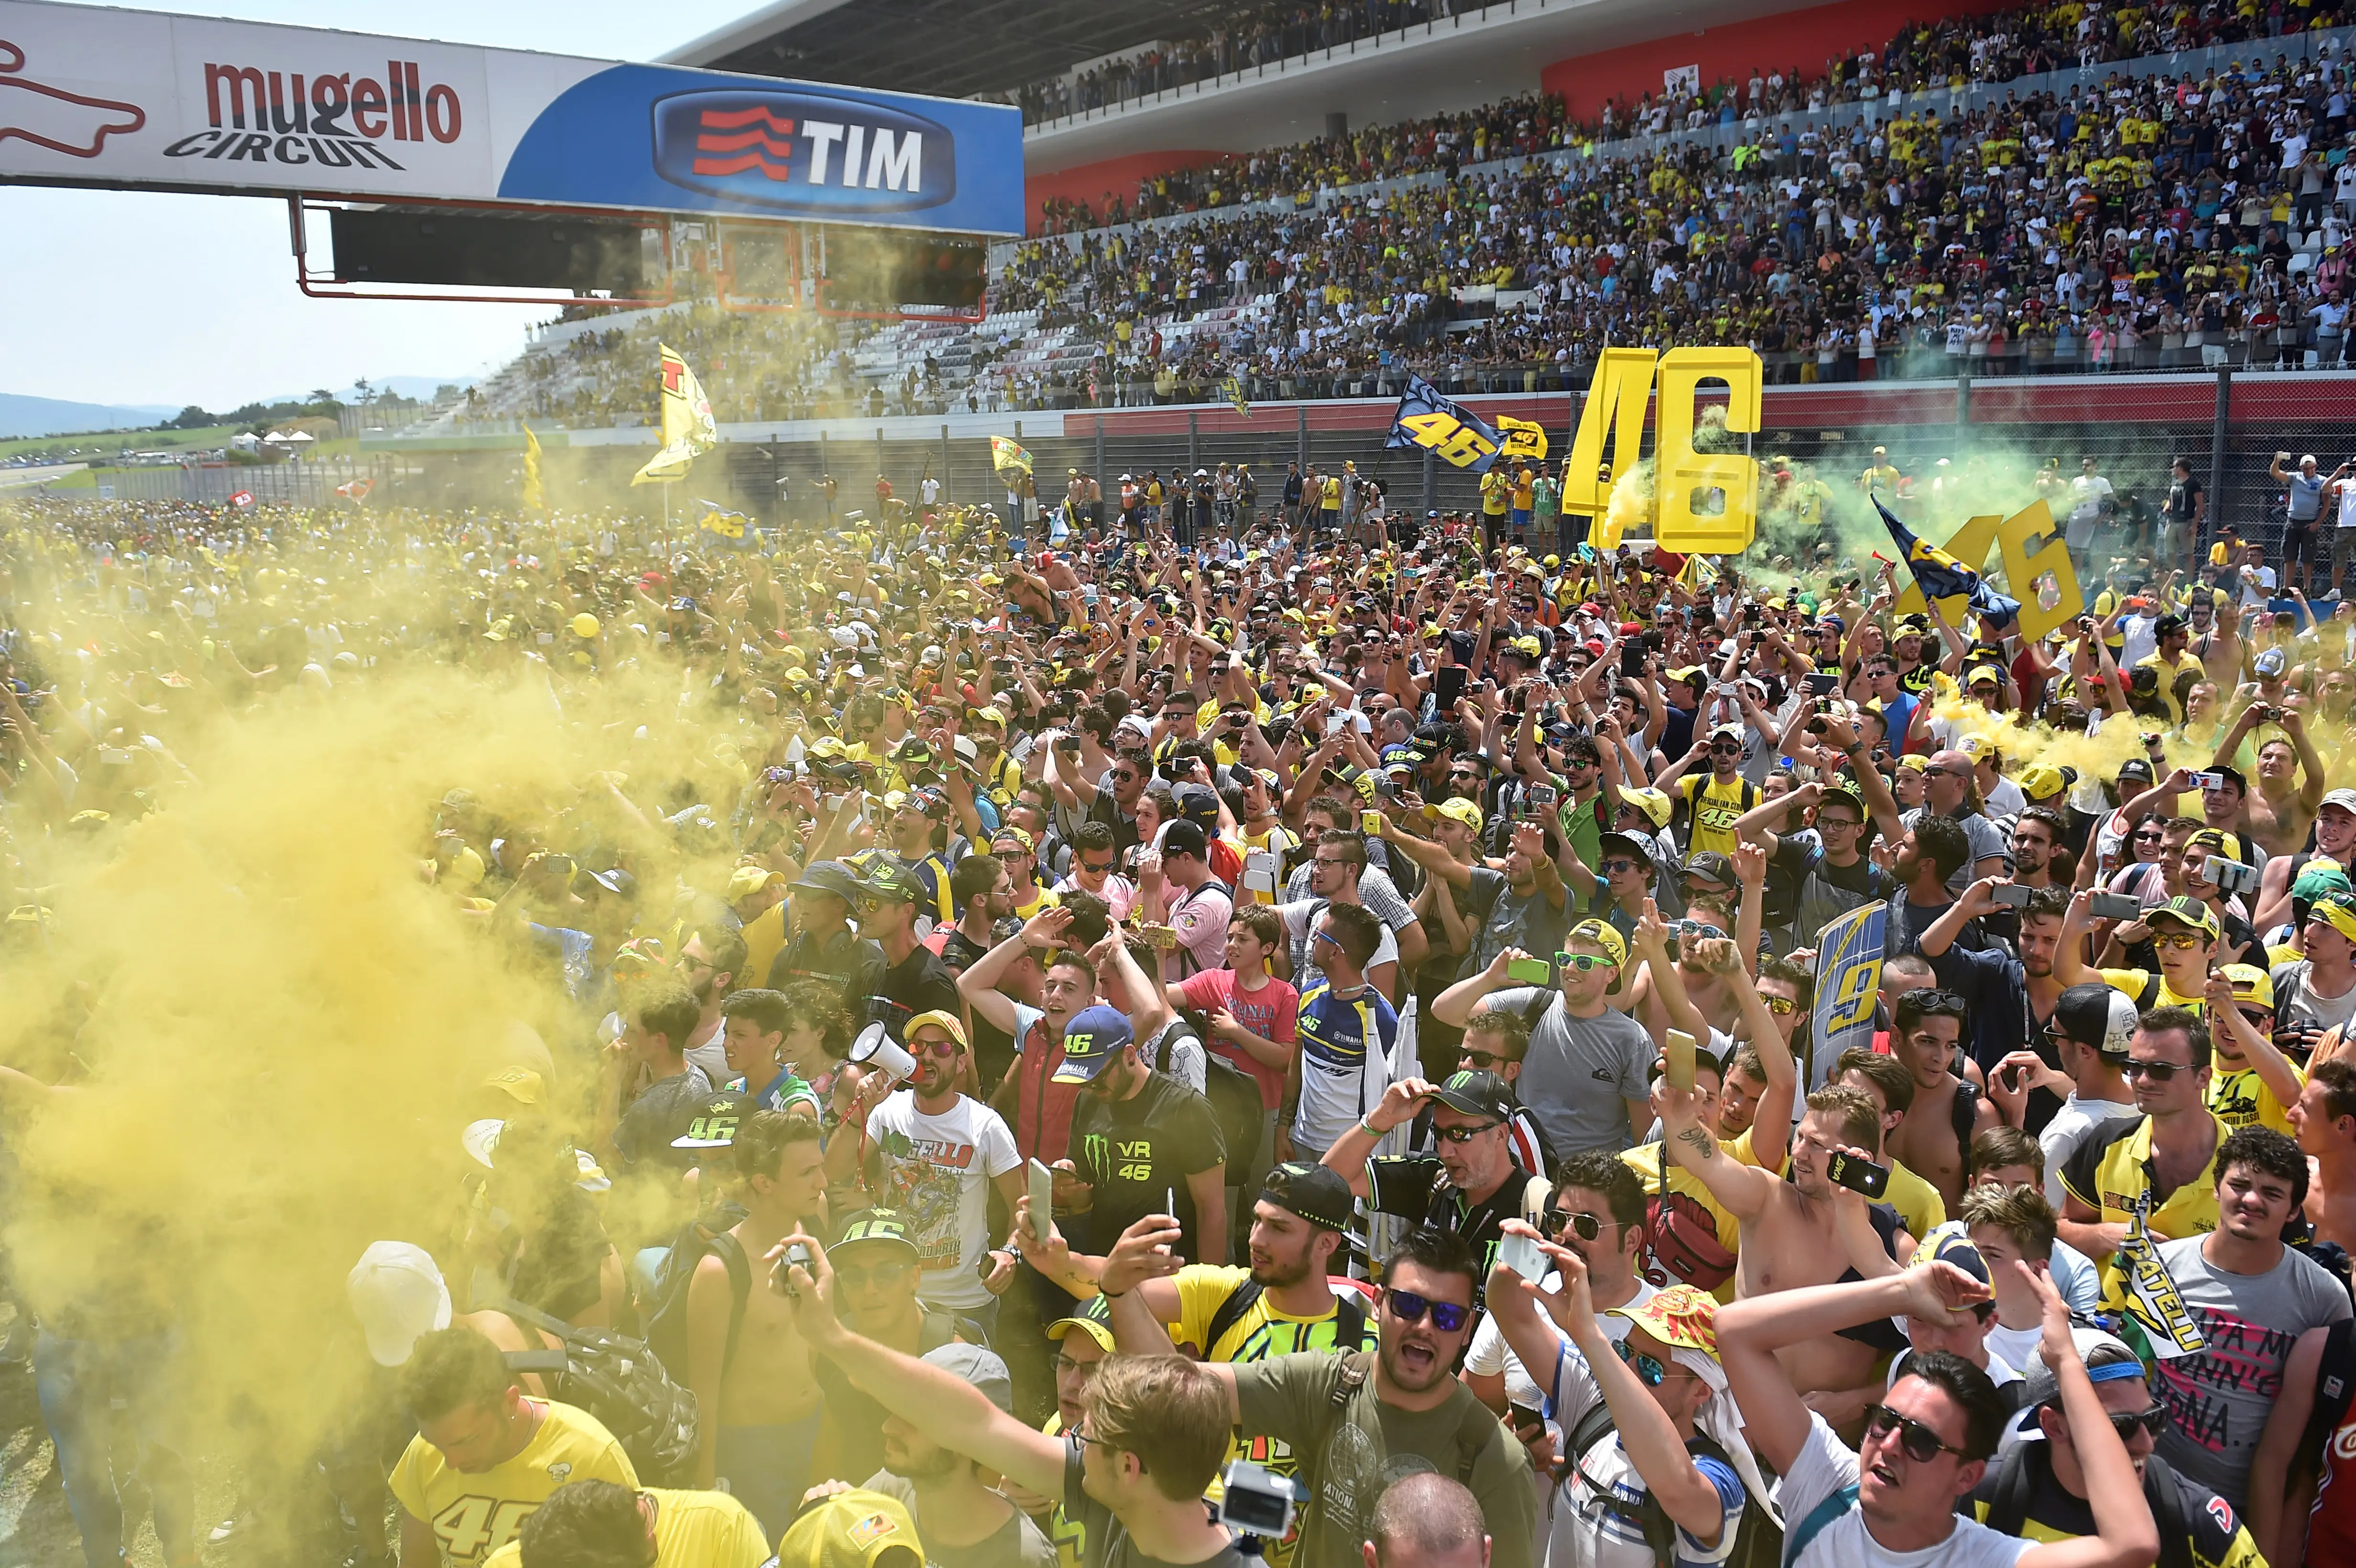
column 2137, row 215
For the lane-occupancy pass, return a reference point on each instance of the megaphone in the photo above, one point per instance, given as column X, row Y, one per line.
column 872, row 1046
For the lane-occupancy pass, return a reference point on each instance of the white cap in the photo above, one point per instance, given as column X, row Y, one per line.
column 397, row 1294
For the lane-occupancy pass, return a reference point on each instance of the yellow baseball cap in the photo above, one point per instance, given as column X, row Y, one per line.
column 1464, row 811
column 2251, row 985
column 857, row 1529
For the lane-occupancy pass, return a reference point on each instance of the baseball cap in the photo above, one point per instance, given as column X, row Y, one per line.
column 857, row 1529
column 1684, row 1318
column 2319, row 879
column 830, row 876
column 2251, row 985
column 2271, row 662
column 946, row 1022
column 1467, row 812
column 1626, row 844
column 521, row 1083
column 1950, row 1242
column 875, row 1227
column 2043, row 780
column 714, row 1121
column 2345, row 799
column 1315, row 1193
column 1185, row 837
column 397, row 1293
column 2135, row 768
column 2185, row 912
column 1197, row 804
column 1094, row 1317
column 1477, row 1093
column 2339, row 910
column 1090, row 1040
column 979, row 1365
column 1711, row 864
column 746, row 881
column 2096, row 1014
column 888, row 883
column 1008, row 833
column 1652, row 803
column 1603, row 936
column 2108, row 1360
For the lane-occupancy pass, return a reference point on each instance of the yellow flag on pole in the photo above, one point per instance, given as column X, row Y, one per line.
column 1007, row 457
column 1524, row 438
column 687, row 423
column 534, row 499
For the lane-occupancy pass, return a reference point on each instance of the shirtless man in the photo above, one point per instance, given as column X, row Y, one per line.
column 2335, row 839
column 2279, row 812
column 764, row 1393
column 2323, row 1119
column 1805, row 1230
column 1934, row 1139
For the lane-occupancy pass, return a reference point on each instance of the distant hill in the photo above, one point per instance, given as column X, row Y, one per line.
column 22, row 415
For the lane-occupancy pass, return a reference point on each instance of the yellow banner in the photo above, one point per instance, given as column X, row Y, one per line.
column 1524, row 438
column 534, row 499
column 688, row 427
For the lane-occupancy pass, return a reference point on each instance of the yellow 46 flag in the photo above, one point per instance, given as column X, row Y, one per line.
column 1524, row 438
column 687, row 423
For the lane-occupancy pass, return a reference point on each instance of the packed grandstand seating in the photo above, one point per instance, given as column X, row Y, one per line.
column 2127, row 224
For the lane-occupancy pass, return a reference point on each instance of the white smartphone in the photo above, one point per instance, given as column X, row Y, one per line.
column 1043, row 1200
column 1260, row 870
column 1521, row 1254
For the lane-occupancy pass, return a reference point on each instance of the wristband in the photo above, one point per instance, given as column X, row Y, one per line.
column 1368, row 1128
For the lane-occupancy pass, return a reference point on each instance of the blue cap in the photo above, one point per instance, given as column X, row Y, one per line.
column 1090, row 1040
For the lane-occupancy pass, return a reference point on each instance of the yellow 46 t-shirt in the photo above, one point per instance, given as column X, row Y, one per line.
column 692, row 1530
column 474, row 1516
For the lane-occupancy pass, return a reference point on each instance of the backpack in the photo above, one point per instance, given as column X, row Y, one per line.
column 1349, row 1317
column 1233, row 1093
column 621, row 1383
column 1756, row 1540
column 2009, row 1506
column 666, row 1316
column 2335, row 1383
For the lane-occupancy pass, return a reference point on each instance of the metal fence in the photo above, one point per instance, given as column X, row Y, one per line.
column 276, row 484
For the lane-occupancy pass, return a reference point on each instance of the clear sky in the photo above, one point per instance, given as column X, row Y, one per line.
column 132, row 297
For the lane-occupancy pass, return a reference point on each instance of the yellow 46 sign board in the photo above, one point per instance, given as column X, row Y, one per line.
column 2030, row 548
column 1615, row 410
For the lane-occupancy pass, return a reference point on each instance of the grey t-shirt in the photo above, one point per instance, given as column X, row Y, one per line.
column 1580, row 1070
column 1527, row 922
column 1017, row 1544
column 2309, row 1009
column 1985, row 840
column 2218, row 1399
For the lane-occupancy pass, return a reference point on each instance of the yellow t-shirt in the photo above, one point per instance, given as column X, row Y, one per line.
column 474, row 1516
column 2134, row 981
column 692, row 1530
column 1715, row 807
column 1917, row 1202
column 765, row 938
column 2238, row 1098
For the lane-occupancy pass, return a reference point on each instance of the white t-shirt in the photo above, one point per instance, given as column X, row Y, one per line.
column 938, row 1171
column 1491, row 1356
column 1822, row 1468
column 1586, row 1534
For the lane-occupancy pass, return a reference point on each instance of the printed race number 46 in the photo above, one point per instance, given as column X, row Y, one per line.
column 1453, row 441
column 473, row 1528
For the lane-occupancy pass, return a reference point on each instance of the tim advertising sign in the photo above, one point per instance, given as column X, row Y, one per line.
column 101, row 97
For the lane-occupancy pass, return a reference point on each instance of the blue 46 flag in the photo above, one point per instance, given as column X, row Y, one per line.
column 1942, row 576
column 1848, row 983
column 1450, row 432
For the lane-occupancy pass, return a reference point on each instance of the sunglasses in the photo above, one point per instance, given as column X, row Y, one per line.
column 1466, row 1134
column 1095, row 867
column 1782, row 1007
column 1586, row 1227
column 2150, row 837
column 881, row 1275
column 1124, row 775
column 2158, row 1072
column 1612, row 868
column 1648, row 1369
column 1485, row 1060
column 1582, row 962
column 1725, row 749
column 1699, row 931
column 1920, row 1442
column 943, row 1048
column 1446, row 1315
column 2154, row 1420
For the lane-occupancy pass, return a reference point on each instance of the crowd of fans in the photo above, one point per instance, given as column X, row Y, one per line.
column 1948, row 53
column 1281, row 981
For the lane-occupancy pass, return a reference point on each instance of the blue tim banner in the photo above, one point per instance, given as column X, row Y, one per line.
column 1848, row 981
column 1450, row 432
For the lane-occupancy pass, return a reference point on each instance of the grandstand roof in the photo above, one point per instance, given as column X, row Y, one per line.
column 946, row 47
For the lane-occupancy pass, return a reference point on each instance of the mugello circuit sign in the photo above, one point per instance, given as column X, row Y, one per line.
column 102, row 96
